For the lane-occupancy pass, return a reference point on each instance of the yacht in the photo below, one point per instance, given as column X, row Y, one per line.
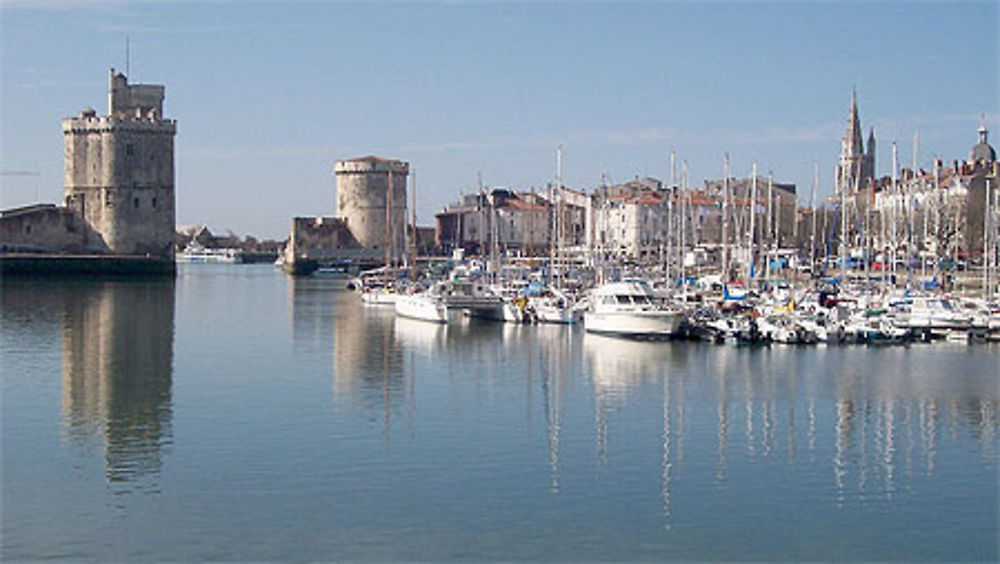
column 630, row 309
column 195, row 253
column 931, row 316
column 554, row 306
column 422, row 305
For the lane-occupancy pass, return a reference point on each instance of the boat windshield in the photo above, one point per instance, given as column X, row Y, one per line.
column 626, row 299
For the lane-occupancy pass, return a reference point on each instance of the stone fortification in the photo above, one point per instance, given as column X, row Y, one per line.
column 362, row 201
column 43, row 228
column 119, row 193
column 119, row 170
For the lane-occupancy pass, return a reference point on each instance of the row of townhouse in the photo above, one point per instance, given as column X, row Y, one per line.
column 639, row 221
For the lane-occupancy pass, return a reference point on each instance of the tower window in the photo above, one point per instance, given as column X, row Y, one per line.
column 135, row 203
column 154, row 201
column 129, row 150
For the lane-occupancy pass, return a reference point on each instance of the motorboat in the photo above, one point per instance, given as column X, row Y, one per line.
column 931, row 316
column 630, row 309
column 197, row 254
column 554, row 306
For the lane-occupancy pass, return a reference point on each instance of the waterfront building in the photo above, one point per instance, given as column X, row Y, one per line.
column 630, row 221
column 119, row 198
column 523, row 222
column 937, row 213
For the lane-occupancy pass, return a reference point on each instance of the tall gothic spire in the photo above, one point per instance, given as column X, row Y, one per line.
column 856, row 166
column 852, row 137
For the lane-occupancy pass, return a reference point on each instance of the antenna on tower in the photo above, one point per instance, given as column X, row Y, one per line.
column 127, row 73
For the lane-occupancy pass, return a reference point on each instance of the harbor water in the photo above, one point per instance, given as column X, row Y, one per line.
column 236, row 414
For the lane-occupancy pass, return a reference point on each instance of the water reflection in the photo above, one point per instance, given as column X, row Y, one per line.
column 864, row 424
column 888, row 411
column 118, row 339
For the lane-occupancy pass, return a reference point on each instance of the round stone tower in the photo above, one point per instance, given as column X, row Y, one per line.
column 363, row 201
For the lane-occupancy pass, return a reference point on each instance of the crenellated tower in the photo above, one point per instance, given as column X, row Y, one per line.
column 119, row 171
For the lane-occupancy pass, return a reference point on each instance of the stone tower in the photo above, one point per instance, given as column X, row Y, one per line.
column 120, row 172
column 363, row 201
column 857, row 164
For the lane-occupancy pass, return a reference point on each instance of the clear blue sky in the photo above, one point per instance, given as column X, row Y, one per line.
column 268, row 95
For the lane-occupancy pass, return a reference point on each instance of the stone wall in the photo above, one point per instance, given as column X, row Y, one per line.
column 46, row 228
column 318, row 237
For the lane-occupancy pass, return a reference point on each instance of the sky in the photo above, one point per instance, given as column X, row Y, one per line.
column 268, row 95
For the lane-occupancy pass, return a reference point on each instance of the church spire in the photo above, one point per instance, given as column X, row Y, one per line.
column 852, row 137
column 857, row 165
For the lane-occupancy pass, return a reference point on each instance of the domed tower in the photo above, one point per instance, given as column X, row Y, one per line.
column 119, row 171
column 371, row 190
column 982, row 152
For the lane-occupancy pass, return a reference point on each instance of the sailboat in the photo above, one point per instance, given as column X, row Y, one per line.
column 427, row 305
column 554, row 304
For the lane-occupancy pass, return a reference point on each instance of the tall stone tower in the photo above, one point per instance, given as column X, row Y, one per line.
column 363, row 202
column 856, row 167
column 120, row 172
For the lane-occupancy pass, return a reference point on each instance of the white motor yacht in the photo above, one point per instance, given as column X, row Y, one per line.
column 554, row 307
column 630, row 309
column 931, row 314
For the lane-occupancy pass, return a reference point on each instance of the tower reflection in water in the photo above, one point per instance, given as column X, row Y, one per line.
column 118, row 339
column 367, row 372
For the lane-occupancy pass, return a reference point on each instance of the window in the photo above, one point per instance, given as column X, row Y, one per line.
column 129, row 150
column 135, row 203
column 27, row 229
column 154, row 201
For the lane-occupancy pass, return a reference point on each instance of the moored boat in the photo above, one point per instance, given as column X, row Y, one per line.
column 423, row 306
column 629, row 309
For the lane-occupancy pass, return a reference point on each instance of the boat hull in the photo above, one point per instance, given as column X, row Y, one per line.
column 659, row 324
column 420, row 307
column 378, row 297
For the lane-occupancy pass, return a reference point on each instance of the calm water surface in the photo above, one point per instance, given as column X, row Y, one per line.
column 236, row 414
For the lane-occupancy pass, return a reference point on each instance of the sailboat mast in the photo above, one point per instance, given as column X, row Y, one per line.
column 725, row 218
column 388, row 224
column 843, row 228
column 770, row 223
column 413, row 230
column 752, row 211
column 685, row 209
column 557, row 251
column 812, row 227
column 937, row 219
column 482, row 217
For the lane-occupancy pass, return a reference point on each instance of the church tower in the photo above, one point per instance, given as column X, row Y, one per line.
column 119, row 172
column 856, row 167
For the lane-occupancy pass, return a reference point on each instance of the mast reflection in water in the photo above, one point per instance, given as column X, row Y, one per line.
column 275, row 418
